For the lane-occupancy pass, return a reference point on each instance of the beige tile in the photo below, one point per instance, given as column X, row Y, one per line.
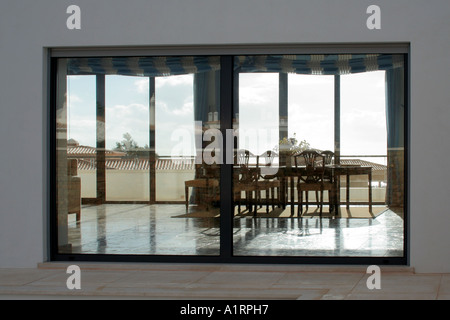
column 158, row 278
column 319, row 280
column 444, row 288
column 402, row 283
column 337, row 294
column 17, row 277
column 172, row 281
column 391, row 296
column 242, row 279
column 87, row 278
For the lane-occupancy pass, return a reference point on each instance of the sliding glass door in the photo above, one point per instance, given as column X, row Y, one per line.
column 332, row 108
column 131, row 175
column 233, row 158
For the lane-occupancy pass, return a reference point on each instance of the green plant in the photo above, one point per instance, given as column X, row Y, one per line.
column 292, row 145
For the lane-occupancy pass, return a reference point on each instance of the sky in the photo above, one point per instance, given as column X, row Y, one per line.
column 311, row 111
column 310, row 108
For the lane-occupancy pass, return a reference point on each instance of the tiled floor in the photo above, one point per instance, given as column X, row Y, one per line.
column 163, row 229
column 224, row 282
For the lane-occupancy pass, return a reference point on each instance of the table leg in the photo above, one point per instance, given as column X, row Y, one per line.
column 186, row 192
column 337, row 193
column 347, row 196
column 292, row 195
column 370, row 192
column 283, row 188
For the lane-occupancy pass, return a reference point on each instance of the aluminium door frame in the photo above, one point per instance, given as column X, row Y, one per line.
column 226, row 53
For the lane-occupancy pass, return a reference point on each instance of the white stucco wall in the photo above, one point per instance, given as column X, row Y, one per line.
column 27, row 27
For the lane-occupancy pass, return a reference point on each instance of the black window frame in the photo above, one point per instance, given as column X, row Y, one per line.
column 226, row 172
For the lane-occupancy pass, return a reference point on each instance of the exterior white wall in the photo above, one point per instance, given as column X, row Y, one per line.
column 133, row 185
column 27, row 27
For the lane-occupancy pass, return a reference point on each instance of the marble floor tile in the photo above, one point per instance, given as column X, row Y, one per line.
column 139, row 229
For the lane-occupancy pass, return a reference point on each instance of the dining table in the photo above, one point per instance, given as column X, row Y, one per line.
column 288, row 174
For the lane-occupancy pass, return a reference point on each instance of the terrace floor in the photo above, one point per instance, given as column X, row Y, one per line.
column 155, row 281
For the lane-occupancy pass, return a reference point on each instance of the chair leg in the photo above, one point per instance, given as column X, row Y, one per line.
column 321, row 201
column 259, row 195
column 253, row 202
column 280, row 203
column 207, row 198
column 300, row 203
column 306, row 199
column 272, row 191
column 186, row 194
column 239, row 201
column 333, row 206
column 317, row 199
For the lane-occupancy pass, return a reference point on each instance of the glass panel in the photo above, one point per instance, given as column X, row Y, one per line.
column 311, row 110
column 127, row 119
column 138, row 154
column 81, row 129
column 145, row 184
column 175, row 131
column 364, row 133
column 258, row 112
column 335, row 115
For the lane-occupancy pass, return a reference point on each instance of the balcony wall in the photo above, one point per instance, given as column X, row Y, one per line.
column 133, row 185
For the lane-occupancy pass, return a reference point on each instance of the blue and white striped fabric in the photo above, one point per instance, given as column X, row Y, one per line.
column 318, row 64
column 173, row 65
column 143, row 66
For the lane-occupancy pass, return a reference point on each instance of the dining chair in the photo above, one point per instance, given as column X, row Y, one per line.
column 268, row 181
column 245, row 179
column 311, row 178
column 327, row 156
column 206, row 185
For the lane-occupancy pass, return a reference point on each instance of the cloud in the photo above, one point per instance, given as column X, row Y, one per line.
column 73, row 98
column 142, row 85
column 132, row 118
column 176, row 80
column 186, row 108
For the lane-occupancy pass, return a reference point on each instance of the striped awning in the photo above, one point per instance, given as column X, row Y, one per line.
column 331, row 64
column 142, row 66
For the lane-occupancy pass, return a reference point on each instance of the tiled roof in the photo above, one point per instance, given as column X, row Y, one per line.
column 87, row 151
column 363, row 163
column 115, row 161
column 185, row 164
column 138, row 164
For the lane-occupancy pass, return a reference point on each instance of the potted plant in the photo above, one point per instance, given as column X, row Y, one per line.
column 287, row 147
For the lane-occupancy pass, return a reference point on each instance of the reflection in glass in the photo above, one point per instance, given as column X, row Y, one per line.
column 131, row 172
column 347, row 111
column 138, row 150
column 127, row 138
